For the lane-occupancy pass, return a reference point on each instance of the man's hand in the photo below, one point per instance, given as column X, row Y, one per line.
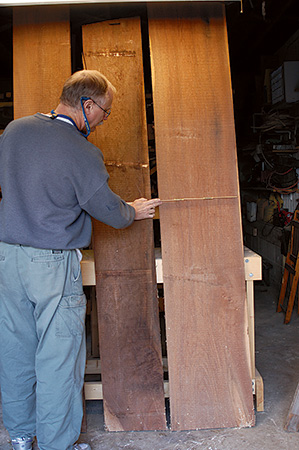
column 145, row 209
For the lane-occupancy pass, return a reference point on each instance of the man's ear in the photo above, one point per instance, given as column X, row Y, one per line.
column 88, row 105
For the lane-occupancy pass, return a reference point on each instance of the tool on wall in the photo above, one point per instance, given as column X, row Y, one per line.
column 291, row 273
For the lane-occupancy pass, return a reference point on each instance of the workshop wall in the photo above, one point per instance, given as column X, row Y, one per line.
column 269, row 161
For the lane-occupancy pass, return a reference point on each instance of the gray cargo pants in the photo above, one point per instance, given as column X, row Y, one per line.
column 42, row 344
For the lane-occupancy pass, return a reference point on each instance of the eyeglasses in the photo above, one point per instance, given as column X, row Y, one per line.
column 106, row 111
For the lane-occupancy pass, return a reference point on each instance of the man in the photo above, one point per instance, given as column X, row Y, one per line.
column 53, row 180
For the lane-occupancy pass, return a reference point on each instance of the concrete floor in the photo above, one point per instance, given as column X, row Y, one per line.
column 277, row 359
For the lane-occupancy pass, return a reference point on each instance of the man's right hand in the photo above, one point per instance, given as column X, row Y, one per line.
column 145, row 209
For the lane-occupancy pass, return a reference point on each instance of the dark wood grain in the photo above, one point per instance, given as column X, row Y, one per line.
column 130, row 349
column 202, row 251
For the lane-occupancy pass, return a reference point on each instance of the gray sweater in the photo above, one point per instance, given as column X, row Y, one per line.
column 53, row 180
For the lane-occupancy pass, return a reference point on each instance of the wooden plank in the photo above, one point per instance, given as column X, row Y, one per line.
column 203, row 268
column 94, row 390
column 292, row 422
column 94, row 327
column 93, row 366
column 250, row 306
column 88, row 268
column 259, row 391
column 41, row 57
column 252, row 265
column 130, row 349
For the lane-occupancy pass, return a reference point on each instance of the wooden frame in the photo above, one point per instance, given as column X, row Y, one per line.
column 253, row 271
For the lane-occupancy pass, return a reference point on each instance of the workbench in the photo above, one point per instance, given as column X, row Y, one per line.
column 253, row 271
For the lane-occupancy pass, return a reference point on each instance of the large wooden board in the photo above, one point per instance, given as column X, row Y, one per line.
column 41, row 57
column 205, row 302
column 292, row 422
column 130, row 350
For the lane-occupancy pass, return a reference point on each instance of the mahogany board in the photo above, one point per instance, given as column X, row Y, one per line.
column 130, row 349
column 202, row 251
column 292, row 421
column 41, row 57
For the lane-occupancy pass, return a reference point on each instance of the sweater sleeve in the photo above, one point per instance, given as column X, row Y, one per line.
column 109, row 208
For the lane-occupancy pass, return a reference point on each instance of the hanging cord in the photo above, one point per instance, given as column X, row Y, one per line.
column 54, row 115
column 286, row 190
column 82, row 100
column 277, row 121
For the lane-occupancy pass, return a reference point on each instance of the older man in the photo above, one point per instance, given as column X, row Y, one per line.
column 53, row 180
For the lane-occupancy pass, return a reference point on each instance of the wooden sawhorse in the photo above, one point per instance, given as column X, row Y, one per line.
column 253, row 271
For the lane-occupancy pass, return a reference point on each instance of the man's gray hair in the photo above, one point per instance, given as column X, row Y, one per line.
column 85, row 83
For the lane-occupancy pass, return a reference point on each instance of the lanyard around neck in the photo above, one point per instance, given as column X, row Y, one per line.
column 54, row 115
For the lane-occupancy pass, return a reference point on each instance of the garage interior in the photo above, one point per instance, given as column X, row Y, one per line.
column 263, row 43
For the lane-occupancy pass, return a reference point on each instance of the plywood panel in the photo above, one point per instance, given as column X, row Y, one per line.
column 205, row 302
column 130, row 348
column 41, row 57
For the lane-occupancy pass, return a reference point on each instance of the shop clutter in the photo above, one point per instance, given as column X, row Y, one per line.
column 269, row 178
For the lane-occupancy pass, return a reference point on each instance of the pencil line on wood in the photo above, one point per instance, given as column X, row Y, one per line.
column 198, row 198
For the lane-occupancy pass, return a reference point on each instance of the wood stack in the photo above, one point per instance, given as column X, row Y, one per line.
column 205, row 304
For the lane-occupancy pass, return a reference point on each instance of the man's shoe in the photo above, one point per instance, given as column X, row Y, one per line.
column 22, row 443
column 81, row 447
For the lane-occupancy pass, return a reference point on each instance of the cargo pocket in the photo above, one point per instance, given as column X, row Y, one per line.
column 70, row 316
